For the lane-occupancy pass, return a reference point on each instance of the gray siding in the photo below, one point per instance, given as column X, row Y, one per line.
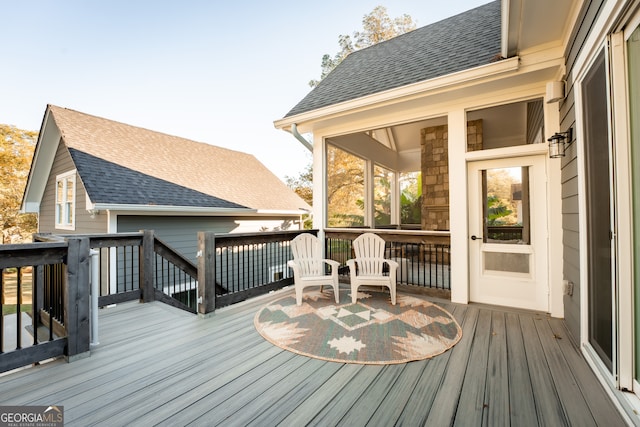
column 181, row 233
column 570, row 190
column 46, row 218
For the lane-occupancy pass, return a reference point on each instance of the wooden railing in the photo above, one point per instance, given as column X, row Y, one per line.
column 56, row 320
column 58, row 310
column 242, row 266
column 139, row 266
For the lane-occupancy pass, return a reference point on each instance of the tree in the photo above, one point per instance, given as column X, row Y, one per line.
column 346, row 180
column 345, row 188
column 377, row 26
column 303, row 184
column 16, row 152
column 303, row 187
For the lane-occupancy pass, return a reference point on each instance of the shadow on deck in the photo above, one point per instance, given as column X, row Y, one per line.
column 160, row 365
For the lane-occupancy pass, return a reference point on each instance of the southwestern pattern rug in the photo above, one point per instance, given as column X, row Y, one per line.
column 372, row 331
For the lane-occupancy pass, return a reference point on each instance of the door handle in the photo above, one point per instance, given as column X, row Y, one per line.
column 475, row 238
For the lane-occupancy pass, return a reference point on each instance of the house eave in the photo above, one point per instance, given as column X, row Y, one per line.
column 191, row 210
column 172, row 209
column 447, row 81
column 41, row 163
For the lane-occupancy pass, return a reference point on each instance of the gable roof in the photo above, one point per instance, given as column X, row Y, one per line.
column 123, row 165
column 462, row 42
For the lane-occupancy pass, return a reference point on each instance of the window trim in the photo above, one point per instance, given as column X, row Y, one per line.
column 59, row 222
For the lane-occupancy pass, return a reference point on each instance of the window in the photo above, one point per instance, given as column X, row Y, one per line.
column 65, row 200
column 410, row 198
column 345, row 188
column 382, row 180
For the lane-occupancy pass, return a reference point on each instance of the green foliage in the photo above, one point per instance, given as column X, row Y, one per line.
column 377, row 26
column 496, row 210
column 16, row 152
column 12, row 309
column 411, row 202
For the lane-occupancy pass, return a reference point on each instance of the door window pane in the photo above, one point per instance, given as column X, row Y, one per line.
column 507, row 262
column 506, row 205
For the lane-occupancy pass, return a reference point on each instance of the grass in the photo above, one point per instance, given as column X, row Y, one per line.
column 12, row 308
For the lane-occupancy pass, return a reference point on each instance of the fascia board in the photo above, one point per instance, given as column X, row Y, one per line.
column 449, row 80
column 273, row 212
column 172, row 209
column 196, row 210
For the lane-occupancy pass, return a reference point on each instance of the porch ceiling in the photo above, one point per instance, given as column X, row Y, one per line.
column 533, row 23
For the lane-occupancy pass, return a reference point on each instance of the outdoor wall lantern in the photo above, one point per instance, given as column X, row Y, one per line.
column 558, row 144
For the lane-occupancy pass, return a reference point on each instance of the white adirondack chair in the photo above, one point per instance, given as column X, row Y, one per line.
column 309, row 266
column 367, row 266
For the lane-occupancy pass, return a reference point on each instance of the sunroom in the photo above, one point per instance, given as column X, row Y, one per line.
column 457, row 157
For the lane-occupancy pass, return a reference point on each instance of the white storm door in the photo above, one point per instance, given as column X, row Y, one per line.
column 508, row 262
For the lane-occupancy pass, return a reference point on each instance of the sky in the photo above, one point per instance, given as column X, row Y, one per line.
column 214, row 71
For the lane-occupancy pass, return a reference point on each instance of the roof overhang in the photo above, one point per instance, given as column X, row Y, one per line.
column 402, row 93
column 535, row 34
column 189, row 210
column 530, row 23
column 43, row 157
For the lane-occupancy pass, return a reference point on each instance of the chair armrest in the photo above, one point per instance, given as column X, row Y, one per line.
column 332, row 263
column 391, row 263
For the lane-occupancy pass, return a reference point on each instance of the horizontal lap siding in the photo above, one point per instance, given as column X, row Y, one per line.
column 83, row 221
column 181, row 233
column 570, row 177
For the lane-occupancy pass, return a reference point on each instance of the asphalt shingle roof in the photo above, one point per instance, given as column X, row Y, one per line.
column 461, row 42
column 124, row 164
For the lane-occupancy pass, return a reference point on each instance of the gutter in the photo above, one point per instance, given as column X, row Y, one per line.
column 173, row 209
column 303, row 141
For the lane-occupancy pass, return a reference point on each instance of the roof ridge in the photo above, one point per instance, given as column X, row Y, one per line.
column 145, row 129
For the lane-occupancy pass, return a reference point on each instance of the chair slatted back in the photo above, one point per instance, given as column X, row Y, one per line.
column 307, row 253
column 369, row 249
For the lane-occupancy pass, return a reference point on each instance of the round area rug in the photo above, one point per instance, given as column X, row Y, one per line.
column 372, row 331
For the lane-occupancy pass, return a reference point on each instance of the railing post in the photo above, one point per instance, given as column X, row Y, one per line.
column 76, row 298
column 206, row 272
column 147, row 267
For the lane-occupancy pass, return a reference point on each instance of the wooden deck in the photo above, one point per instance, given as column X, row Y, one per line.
column 157, row 365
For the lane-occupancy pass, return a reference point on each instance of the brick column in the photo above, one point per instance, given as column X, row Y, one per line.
column 434, row 142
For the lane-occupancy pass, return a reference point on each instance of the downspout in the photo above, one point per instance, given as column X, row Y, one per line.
column 303, row 141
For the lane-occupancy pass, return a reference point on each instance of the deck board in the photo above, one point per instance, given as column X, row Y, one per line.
column 497, row 397
column 547, row 400
column 443, row 410
column 521, row 400
column 471, row 406
column 575, row 409
column 156, row 365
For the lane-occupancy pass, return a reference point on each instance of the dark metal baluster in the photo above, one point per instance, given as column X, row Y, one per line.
column 18, row 308
column 34, row 303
